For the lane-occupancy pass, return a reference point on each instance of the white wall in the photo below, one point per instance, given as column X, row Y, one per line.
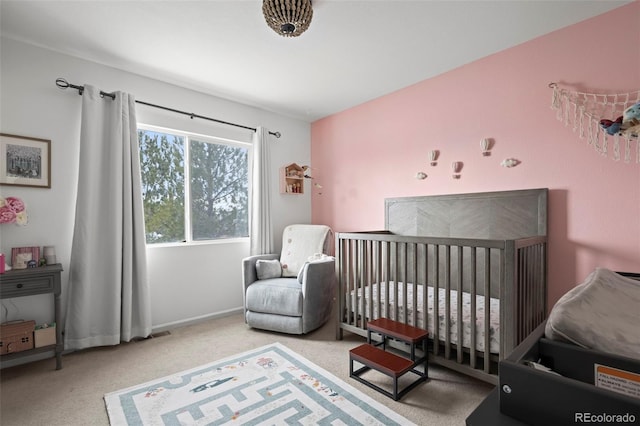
column 188, row 282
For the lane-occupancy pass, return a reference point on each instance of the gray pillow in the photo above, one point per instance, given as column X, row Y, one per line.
column 268, row 269
column 601, row 314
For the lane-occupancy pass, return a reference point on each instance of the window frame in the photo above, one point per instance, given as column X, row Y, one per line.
column 199, row 137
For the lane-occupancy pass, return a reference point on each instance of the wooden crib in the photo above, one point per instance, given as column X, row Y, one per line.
column 455, row 265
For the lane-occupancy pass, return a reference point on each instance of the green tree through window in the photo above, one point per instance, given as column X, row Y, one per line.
column 219, row 191
column 206, row 201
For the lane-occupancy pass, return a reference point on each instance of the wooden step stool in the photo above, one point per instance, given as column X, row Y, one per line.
column 388, row 363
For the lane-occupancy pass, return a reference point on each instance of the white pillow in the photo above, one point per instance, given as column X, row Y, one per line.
column 268, row 269
column 316, row 258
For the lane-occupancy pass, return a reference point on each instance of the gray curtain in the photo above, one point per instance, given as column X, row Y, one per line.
column 260, row 230
column 108, row 298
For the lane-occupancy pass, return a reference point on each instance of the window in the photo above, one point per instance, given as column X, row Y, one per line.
column 194, row 187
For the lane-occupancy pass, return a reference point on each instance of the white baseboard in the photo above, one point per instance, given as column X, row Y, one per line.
column 194, row 320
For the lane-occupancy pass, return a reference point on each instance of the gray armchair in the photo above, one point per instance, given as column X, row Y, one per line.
column 292, row 292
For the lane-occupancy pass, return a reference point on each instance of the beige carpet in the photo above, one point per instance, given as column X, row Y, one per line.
column 37, row 394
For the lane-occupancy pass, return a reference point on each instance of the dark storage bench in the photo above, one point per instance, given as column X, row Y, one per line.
column 533, row 397
column 542, row 398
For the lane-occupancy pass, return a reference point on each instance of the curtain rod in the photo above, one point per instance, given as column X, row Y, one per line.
column 64, row 84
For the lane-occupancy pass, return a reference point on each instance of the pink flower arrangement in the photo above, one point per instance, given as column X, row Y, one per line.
column 13, row 210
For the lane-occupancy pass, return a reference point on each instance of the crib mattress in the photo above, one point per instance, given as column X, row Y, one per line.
column 387, row 309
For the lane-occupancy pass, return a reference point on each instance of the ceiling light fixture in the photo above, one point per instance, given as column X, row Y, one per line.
column 289, row 18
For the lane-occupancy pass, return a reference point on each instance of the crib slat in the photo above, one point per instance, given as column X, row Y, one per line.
column 370, row 314
column 487, row 309
column 342, row 303
column 345, row 276
column 377, row 259
column 414, row 299
column 507, row 298
column 352, row 277
column 447, row 302
column 539, row 289
column 394, row 282
column 542, row 280
column 522, row 289
column 436, row 298
column 387, row 291
column 460, row 340
column 526, row 312
column 360, row 283
column 403, row 279
column 425, row 288
column 352, row 280
column 534, row 283
column 518, row 298
column 474, row 309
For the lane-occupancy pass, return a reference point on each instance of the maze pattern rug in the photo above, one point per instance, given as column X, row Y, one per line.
column 267, row 385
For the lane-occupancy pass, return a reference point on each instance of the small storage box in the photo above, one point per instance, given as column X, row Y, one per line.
column 538, row 397
column 16, row 336
column 45, row 335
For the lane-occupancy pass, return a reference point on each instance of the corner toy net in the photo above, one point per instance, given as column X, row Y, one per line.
column 602, row 119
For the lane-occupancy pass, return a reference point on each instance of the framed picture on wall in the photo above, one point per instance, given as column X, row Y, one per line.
column 25, row 161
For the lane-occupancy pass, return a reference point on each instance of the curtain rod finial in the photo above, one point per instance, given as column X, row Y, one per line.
column 62, row 83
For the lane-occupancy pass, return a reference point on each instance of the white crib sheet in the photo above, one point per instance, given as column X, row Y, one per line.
column 494, row 313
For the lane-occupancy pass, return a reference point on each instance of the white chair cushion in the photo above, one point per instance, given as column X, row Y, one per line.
column 299, row 242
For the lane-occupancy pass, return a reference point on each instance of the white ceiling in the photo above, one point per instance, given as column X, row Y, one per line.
column 354, row 51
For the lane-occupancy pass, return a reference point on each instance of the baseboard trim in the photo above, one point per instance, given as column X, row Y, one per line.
column 194, row 320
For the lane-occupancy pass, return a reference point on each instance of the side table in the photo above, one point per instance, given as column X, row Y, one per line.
column 29, row 282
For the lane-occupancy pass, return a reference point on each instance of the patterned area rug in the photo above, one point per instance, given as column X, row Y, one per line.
column 267, row 385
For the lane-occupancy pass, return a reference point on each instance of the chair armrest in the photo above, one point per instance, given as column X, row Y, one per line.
column 318, row 280
column 249, row 273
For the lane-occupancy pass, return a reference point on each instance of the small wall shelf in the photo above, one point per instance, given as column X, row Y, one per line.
column 292, row 179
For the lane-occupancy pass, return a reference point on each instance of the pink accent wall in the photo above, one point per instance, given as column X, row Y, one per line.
column 373, row 151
